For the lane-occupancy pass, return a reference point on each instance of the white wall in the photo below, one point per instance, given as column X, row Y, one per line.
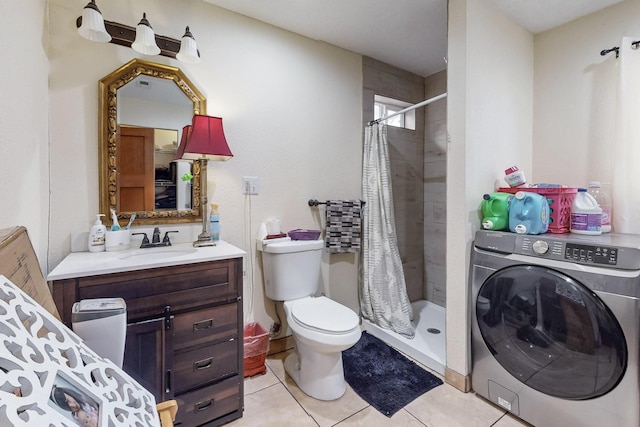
column 575, row 95
column 24, row 122
column 292, row 115
column 490, row 86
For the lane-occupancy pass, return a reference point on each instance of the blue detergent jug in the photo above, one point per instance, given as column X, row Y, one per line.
column 529, row 213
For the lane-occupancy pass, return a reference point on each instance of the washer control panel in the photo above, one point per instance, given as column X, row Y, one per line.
column 591, row 254
column 619, row 251
column 568, row 251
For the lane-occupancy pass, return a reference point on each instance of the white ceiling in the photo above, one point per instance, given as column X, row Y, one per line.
column 409, row 34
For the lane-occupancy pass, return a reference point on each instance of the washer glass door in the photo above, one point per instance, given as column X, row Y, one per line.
column 551, row 332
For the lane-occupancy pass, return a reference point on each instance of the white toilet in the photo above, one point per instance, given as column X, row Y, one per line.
column 321, row 328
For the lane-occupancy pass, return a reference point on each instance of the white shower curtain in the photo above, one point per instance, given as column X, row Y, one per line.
column 383, row 292
column 626, row 150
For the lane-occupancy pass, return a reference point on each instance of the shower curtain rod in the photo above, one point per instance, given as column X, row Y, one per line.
column 412, row 107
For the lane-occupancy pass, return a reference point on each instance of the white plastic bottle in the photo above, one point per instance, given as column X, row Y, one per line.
column 97, row 235
column 515, row 177
column 586, row 215
column 604, row 201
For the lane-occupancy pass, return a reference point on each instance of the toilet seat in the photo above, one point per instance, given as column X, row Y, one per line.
column 324, row 315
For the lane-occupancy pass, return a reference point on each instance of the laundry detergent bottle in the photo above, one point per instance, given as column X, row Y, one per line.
column 529, row 213
column 495, row 211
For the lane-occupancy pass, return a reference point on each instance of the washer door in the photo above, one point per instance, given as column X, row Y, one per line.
column 551, row 332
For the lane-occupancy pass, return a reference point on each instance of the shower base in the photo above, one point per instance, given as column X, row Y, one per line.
column 426, row 347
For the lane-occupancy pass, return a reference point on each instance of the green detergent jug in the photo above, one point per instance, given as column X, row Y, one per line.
column 495, row 211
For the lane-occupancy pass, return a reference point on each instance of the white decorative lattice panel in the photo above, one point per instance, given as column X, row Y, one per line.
column 40, row 357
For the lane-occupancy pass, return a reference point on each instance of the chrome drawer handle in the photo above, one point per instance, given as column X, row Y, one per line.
column 202, row 325
column 203, row 364
column 201, row 406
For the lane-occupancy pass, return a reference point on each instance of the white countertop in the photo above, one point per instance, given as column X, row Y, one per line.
column 82, row 264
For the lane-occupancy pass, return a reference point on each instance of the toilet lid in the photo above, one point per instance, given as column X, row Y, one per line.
column 324, row 314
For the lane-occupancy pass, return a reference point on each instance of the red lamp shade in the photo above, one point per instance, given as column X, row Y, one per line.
column 206, row 140
column 186, row 133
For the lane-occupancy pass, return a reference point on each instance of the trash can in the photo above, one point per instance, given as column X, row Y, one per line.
column 256, row 346
column 102, row 324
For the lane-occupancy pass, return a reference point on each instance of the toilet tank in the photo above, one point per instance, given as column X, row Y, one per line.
column 292, row 268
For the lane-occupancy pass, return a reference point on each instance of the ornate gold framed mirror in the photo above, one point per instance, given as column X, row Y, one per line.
column 143, row 107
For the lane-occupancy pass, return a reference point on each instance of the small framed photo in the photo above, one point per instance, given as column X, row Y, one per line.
column 74, row 402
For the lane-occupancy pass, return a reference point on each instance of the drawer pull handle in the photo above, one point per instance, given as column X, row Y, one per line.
column 203, row 364
column 202, row 325
column 201, row 406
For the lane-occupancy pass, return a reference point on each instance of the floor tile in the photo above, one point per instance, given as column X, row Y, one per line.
column 328, row 413
column 370, row 417
column 509, row 420
column 445, row 406
column 271, row 407
column 274, row 400
column 325, row 413
column 260, row 381
column 275, row 362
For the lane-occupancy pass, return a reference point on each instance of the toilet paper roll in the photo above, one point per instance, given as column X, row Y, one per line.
column 273, row 226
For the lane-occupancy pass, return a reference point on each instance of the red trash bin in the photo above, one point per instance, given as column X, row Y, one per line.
column 256, row 346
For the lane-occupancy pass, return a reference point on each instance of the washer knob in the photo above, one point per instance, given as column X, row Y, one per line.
column 540, row 247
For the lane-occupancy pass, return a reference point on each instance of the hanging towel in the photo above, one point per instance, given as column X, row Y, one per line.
column 344, row 221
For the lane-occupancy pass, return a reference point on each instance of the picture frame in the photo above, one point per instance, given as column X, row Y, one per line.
column 75, row 403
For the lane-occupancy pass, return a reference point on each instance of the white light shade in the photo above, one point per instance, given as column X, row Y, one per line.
column 145, row 41
column 188, row 50
column 92, row 27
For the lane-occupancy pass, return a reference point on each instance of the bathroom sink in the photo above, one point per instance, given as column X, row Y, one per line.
column 156, row 254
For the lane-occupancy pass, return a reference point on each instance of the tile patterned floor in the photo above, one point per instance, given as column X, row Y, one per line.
column 273, row 399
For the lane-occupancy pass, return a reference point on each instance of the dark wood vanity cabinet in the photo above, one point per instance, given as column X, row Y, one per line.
column 184, row 333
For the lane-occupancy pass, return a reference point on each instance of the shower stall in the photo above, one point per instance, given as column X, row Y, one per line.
column 418, row 175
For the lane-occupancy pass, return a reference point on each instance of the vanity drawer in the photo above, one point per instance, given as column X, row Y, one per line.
column 205, row 364
column 183, row 287
column 209, row 403
column 201, row 326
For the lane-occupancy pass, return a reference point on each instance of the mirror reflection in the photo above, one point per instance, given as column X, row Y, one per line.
column 143, row 108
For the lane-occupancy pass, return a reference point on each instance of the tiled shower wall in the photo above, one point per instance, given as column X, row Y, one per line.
column 435, row 187
column 406, row 152
column 418, row 168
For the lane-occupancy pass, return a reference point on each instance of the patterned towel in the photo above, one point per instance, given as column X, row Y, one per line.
column 343, row 226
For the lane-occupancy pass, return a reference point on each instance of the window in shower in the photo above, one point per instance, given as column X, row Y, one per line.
column 384, row 107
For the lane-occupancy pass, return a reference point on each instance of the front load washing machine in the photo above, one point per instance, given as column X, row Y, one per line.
column 555, row 327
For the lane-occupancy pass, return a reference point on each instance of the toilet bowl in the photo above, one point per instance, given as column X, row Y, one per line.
column 322, row 329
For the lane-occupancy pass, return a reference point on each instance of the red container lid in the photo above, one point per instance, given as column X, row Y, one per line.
column 512, row 169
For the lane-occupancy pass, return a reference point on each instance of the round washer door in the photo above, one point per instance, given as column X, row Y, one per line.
column 551, row 333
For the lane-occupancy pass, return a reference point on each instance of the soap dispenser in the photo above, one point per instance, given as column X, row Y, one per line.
column 97, row 235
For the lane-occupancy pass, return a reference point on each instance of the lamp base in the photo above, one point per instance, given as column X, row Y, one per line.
column 204, row 239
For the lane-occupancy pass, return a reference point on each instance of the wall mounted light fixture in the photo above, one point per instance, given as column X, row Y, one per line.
column 92, row 26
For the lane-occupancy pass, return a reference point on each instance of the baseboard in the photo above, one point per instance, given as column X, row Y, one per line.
column 281, row 344
column 459, row 381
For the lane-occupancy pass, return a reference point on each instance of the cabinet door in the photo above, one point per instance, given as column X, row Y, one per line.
column 148, row 356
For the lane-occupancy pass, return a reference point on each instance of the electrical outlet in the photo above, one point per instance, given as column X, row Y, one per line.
column 250, row 185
